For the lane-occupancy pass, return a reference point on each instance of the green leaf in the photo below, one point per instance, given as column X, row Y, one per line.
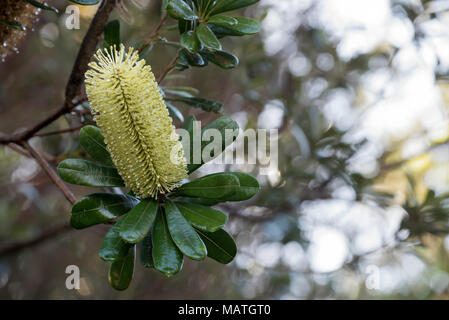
column 224, row 125
column 182, row 233
column 222, row 59
column 146, row 252
column 190, row 41
column 178, row 9
column 13, row 24
column 113, row 247
column 220, row 245
column 212, row 186
column 112, row 33
column 92, row 141
column 249, row 186
column 174, row 112
column 204, row 104
column 229, row 5
column 41, row 5
column 166, row 256
column 222, row 20
column 202, row 217
column 245, row 26
column 200, row 201
column 207, row 37
column 191, row 58
column 98, row 208
column 121, row 272
column 85, row 2
column 137, row 223
column 87, row 173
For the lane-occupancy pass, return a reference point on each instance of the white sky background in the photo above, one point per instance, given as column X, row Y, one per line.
column 400, row 99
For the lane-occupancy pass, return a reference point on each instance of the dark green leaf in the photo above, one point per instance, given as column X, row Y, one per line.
column 190, row 41
column 207, row 37
column 112, row 33
column 85, row 2
column 225, row 126
column 191, row 58
column 249, row 186
column 245, row 26
column 137, row 222
column 222, row 59
column 98, row 208
column 229, row 5
column 204, row 104
column 212, row 186
column 113, row 247
column 202, row 217
column 178, row 9
column 220, row 245
column 200, row 201
column 87, row 173
column 182, row 233
column 166, row 256
column 121, row 272
column 92, row 141
column 42, row 5
column 146, row 252
column 222, row 20
column 13, row 24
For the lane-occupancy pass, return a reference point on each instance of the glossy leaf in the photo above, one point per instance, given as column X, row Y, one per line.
column 202, row 217
column 222, row 20
column 204, row 104
column 245, row 26
column 121, row 272
column 166, row 256
column 222, row 59
column 224, row 125
column 212, row 186
column 191, row 58
column 178, row 9
column 249, row 186
column 42, row 6
column 98, row 208
column 220, row 245
column 182, row 233
column 113, row 247
column 184, row 92
column 200, row 201
column 190, row 41
column 112, row 33
column 207, row 37
column 85, row 2
column 87, row 173
column 229, row 5
column 137, row 222
column 92, row 141
column 146, row 252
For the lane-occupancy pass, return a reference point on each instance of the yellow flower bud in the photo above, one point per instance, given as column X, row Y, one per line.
column 138, row 131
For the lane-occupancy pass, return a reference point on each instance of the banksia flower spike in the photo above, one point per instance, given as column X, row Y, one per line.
column 134, row 120
column 14, row 11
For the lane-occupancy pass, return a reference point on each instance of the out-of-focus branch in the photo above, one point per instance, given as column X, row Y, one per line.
column 12, row 247
column 49, row 133
column 50, row 172
column 167, row 69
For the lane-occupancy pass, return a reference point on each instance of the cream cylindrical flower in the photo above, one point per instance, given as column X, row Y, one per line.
column 138, row 131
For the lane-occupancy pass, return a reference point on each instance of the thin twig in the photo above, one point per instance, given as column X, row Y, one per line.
column 49, row 133
column 154, row 33
column 169, row 68
column 50, row 172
